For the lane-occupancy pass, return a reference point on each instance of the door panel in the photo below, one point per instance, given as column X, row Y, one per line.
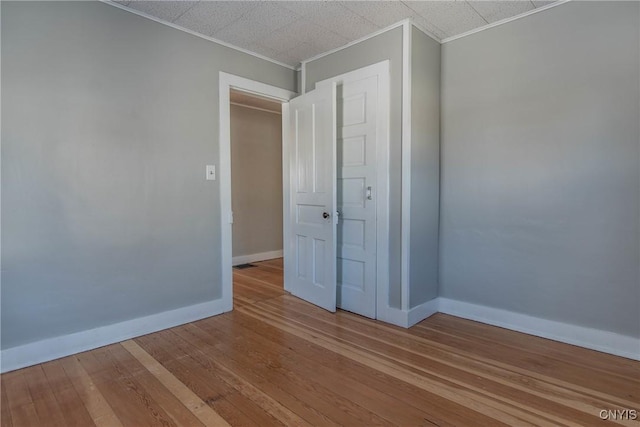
column 352, row 151
column 356, row 180
column 310, row 252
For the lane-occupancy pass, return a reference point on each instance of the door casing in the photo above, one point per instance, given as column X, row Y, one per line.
column 226, row 83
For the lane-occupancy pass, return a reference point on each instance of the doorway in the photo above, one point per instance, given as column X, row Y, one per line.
column 235, row 90
column 256, row 178
column 256, row 197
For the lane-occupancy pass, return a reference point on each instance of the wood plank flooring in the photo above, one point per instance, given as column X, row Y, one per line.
column 276, row 360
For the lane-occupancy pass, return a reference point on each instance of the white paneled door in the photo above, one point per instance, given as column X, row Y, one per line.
column 310, row 247
column 336, row 209
column 357, row 193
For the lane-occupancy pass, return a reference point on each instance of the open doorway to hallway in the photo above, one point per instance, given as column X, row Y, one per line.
column 256, row 197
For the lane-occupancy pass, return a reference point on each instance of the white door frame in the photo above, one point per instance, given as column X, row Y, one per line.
column 226, row 83
column 381, row 69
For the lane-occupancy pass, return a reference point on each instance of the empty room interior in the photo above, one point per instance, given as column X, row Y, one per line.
column 310, row 213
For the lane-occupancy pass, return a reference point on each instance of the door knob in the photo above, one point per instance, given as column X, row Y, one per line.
column 325, row 215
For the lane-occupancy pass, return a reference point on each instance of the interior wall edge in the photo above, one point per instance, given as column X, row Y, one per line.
column 405, row 180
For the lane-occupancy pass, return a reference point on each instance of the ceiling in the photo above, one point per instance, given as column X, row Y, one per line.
column 293, row 31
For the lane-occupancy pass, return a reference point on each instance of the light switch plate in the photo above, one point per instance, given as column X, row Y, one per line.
column 211, row 172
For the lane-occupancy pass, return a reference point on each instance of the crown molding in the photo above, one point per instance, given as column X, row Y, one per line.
column 504, row 21
column 360, row 40
column 352, row 43
column 202, row 36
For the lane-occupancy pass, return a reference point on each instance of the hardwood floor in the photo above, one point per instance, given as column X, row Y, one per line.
column 276, row 360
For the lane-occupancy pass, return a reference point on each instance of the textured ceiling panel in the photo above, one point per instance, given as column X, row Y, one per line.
column 304, row 31
column 385, row 13
column 302, row 50
column 540, row 3
column 293, row 31
column 303, row 8
column 256, row 24
column 166, row 10
column 285, row 58
column 382, row 13
column 342, row 21
column 452, row 18
column 207, row 17
column 493, row 11
column 283, row 38
column 267, row 51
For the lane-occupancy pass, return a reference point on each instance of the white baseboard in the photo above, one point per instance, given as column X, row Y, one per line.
column 262, row 256
column 422, row 311
column 395, row 316
column 57, row 347
column 406, row 319
column 595, row 339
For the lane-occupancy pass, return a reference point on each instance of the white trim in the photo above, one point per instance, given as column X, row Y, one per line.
column 408, row 318
column 405, row 238
column 595, row 339
column 504, row 21
column 262, row 256
column 287, row 179
column 360, row 40
column 422, row 311
column 238, row 104
column 301, row 67
column 303, row 78
column 383, row 182
column 394, row 316
column 226, row 83
column 0, row 186
column 381, row 70
column 57, row 347
column 62, row 346
column 193, row 33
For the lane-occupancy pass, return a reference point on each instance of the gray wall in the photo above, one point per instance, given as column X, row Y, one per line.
column 256, row 180
column 108, row 122
column 540, row 166
column 425, row 167
column 387, row 45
